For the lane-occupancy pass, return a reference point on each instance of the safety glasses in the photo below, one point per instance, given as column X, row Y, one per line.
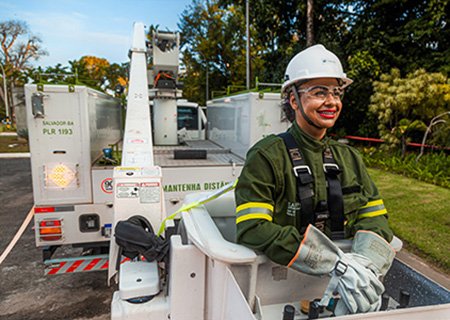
column 320, row 93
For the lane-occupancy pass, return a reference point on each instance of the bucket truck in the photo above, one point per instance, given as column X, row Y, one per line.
column 205, row 274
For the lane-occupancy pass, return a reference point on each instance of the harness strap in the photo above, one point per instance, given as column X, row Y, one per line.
column 304, row 182
column 333, row 209
column 335, row 199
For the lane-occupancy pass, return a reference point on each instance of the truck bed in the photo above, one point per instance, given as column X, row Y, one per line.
column 216, row 155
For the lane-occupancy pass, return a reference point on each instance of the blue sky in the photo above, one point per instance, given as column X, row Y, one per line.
column 70, row 29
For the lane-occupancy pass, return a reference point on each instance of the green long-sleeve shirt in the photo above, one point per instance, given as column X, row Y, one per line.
column 266, row 194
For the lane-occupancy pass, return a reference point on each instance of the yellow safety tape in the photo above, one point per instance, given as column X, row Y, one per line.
column 197, row 203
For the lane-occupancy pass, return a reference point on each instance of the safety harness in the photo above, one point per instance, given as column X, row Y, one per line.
column 331, row 211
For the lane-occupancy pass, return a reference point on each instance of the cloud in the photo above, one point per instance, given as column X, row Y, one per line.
column 108, row 38
column 70, row 29
column 69, row 36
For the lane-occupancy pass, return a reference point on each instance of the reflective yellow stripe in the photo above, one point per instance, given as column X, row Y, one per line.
column 373, row 203
column 252, row 216
column 372, row 214
column 254, row 205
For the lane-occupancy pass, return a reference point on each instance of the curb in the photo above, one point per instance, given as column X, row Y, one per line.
column 15, row 155
column 418, row 264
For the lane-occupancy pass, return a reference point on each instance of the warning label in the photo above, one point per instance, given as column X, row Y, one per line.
column 127, row 190
column 150, row 192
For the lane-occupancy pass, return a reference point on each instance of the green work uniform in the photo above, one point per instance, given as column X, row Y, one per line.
column 267, row 202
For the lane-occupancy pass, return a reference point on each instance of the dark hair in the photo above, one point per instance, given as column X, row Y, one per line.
column 289, row 113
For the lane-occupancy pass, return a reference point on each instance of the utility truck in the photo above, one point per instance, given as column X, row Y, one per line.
column 205, row 274
column 73, row 128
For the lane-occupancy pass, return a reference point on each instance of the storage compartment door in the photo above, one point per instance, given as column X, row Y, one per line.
column 59, row 145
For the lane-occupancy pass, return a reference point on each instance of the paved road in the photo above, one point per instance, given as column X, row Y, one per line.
column 25, row 293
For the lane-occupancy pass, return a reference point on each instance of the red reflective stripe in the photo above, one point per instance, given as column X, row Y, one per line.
column 44, row 209
column 104, row 266
column 74, row 266
column 55, row 270
column 92, row 264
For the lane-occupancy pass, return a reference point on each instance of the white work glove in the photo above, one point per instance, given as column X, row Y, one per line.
column 373, row 251
column 358, row 287
column 375, row 254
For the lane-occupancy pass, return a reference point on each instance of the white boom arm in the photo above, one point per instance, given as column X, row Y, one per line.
column 137, row 141
column 137, row 182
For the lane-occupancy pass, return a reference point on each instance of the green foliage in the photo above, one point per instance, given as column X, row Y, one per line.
column 418, row 214
column 91, row 71
column 7, row 127
column 363, row 69
column 407, row 35
column 404, row 105
column 432, row 167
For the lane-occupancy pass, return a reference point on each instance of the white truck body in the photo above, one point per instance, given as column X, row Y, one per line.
column 237, row 122
column 68, row 127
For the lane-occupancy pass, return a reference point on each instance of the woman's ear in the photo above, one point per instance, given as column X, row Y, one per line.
column 293, row 101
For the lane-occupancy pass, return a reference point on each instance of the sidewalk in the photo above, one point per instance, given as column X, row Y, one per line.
column 15, row 155
column 8, row 134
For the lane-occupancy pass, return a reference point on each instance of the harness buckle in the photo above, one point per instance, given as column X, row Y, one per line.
column 332, row 168
column 301, row 169
column 340, row 268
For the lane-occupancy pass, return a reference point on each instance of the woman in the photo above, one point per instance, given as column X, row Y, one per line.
column 300, row 187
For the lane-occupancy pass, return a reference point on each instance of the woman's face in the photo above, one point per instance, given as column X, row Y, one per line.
column 321, row 101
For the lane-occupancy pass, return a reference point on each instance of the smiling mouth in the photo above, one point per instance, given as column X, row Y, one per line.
column 327, row 114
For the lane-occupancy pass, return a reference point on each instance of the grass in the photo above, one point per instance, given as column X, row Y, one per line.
column 13, row 144
column 419, row 214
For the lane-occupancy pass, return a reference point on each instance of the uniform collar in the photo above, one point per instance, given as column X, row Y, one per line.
column 305, row 140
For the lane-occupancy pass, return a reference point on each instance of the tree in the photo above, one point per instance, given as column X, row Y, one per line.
column 381, row 35
column 18, row 48
column 363, row 69
column 404, row 105
column 213, row 46
column 406, row 35
column 91, row 71
column 309, row 23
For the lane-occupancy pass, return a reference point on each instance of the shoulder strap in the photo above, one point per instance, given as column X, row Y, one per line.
column 304, row 182
column 335, row 199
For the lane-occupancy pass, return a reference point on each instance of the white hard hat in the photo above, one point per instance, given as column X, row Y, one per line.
column 312, row 63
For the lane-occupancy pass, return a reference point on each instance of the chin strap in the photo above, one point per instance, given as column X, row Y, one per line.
column 300, row 107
